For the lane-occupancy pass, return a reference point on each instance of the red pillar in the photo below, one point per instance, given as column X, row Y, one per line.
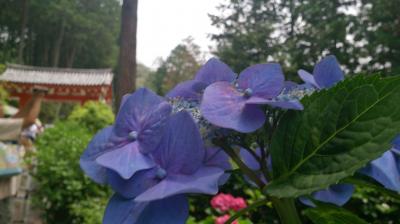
column 23, row 100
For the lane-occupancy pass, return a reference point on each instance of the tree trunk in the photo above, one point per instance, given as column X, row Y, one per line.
column 24, row 19
column 124, row 81
column 71, row 57
column 57, row 44
column 45, row 59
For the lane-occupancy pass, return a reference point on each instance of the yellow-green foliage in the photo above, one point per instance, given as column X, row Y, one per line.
column 92, row 115
column 3, row 92
column 2, row 68
column 3, row 95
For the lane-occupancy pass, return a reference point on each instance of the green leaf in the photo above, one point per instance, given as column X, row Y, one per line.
column 340, row 130
column 327, row 214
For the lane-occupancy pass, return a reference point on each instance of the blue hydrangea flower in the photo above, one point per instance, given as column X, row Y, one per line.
column 386, row 169
column 183, row 165
column 125, row 146
column 337, row 194
column 212, row 71
column 238, row 106
column 326, row 73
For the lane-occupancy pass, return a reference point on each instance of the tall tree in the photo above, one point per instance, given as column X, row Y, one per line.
column 180, row 65
column 293, row 32
column 60, row 33
column 379, row 35
column 126, row 72
column 24, row 19
column 247, row 32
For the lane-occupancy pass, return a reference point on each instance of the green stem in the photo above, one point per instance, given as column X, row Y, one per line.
column 246, row 170
column 247, row 209
column 286, row 210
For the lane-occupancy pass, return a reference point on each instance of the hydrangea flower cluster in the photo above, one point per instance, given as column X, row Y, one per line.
column 225, row 202
column 161, row 149
column 223, row 219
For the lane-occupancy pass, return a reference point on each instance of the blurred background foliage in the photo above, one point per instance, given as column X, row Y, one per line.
column 69, row 196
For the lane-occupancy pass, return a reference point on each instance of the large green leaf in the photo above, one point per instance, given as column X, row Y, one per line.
column 339, row 131
column 328, row 214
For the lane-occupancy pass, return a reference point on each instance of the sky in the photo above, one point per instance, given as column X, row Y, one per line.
column 163, row 24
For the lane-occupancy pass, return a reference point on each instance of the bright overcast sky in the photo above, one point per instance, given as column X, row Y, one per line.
column 163, row 24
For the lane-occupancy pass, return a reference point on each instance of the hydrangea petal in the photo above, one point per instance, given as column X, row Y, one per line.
column 136, row 107
column 181, row 149
column 152, row 127
column 126, row 160
column 205, row 180
column 96, row 147
column 264, row 80
column 307, row 77
column 214, row 70
column 224, row 106
column 337, row 194
column 137, row 184
column 327, row 72
column 123, row 211
column 249, row 159
column 172, row 210
column 190, row 90
column 292, row 104
column 218, row 158
column 123, row 100
column 385, row 170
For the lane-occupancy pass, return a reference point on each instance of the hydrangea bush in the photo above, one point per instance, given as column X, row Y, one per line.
column 304, row 143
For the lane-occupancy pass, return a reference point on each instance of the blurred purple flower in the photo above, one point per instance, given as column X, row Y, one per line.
column 212, row 71
column 386, row 169
column 172, row 210
column 326, row 73
column 182, row 166
column 237, row 106
column 337, row 194
column 125, row 146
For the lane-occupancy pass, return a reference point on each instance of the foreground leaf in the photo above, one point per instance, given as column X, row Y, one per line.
column 340, row 130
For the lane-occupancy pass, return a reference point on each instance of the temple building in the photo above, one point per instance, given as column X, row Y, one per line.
column 63, row 84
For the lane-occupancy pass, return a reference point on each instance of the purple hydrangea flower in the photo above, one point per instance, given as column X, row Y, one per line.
column 237, row 106
column 183, row 165
column 212, row 71
column 386, row 169
column 125, row 146
column 326, row 73
column 337, row 194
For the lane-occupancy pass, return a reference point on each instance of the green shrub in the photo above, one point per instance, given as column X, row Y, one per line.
column 91, row 211
column 93, row 115
column 62, row 186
